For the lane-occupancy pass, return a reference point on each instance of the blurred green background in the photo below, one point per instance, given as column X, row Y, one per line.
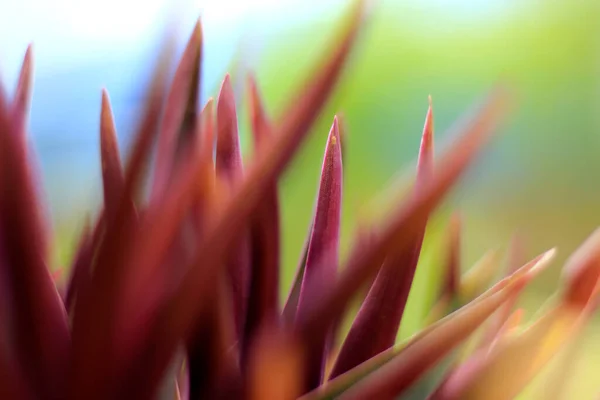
column 539, row 177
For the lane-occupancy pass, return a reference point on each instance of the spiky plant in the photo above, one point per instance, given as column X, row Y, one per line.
column 179, row 288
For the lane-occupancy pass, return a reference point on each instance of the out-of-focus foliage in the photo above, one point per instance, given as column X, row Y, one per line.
column 538, row 179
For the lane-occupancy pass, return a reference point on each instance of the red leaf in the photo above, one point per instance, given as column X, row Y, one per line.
column 323, row 247
column 376, row 325
column 22, row 99
column 212, row 363
column 41, row 330
column 181, row 313
column 229, row 169
column 112, row 172
column 432, row 344
column 181, row 105
column 263, row 300
column 329, row 302
column 12, row 383
column 95, row 312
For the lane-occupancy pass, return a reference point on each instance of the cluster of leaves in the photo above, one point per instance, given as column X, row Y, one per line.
column 175, row 291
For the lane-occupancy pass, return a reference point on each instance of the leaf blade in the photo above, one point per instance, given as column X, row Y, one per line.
column 323, row 248
column 429, row 346
column 379, row 317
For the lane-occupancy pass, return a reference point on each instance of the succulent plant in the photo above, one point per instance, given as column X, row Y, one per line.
column 178, row 287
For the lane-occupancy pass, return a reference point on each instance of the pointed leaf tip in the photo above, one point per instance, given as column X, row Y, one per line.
column 342, row 135
column 426, row 350
column 23, row 93
column 261, row 178
column 425, row 165
column 229, row 167
column 91, row 311
column 407, row 220
column 35, row 300
column 523, row 275
column 429, row 346
column 208, row 107
column 258, row 117
column 322, row 256
column 516, row 359
column 27, row 65
column 229, row 157
column 179, row 117
column 334, row 138
column 376, row 325
column 198, row 31
column 112, row 172
column 226, row 98
column 207, row 116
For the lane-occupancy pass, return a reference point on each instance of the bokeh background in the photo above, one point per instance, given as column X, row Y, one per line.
column 540, row 176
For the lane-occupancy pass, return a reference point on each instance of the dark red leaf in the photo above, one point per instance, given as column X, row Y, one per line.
column 259, row 120
column 112, row 172
column 263, row 300
column 41, row 330
column 432, row 344
column 229, row 169
column 12, row 382
column 212, row 362
column 376, row 325
column 22, row 99
column 180, row 108
column 96, row 307
column 179, row 317
column 329, row 302
column 323, row 247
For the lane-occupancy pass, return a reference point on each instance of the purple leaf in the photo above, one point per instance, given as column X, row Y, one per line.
column 41, row 330
column 92, row 374
column 112, row 172
column 12, row 383
column 22, row 100
column 229, row 169
column 432, row 344
column 180, row 107
column 323, row 247
column 376, row 325
column 191, row 297
column 263, row 300
column 211, row 359
column 329, row 302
